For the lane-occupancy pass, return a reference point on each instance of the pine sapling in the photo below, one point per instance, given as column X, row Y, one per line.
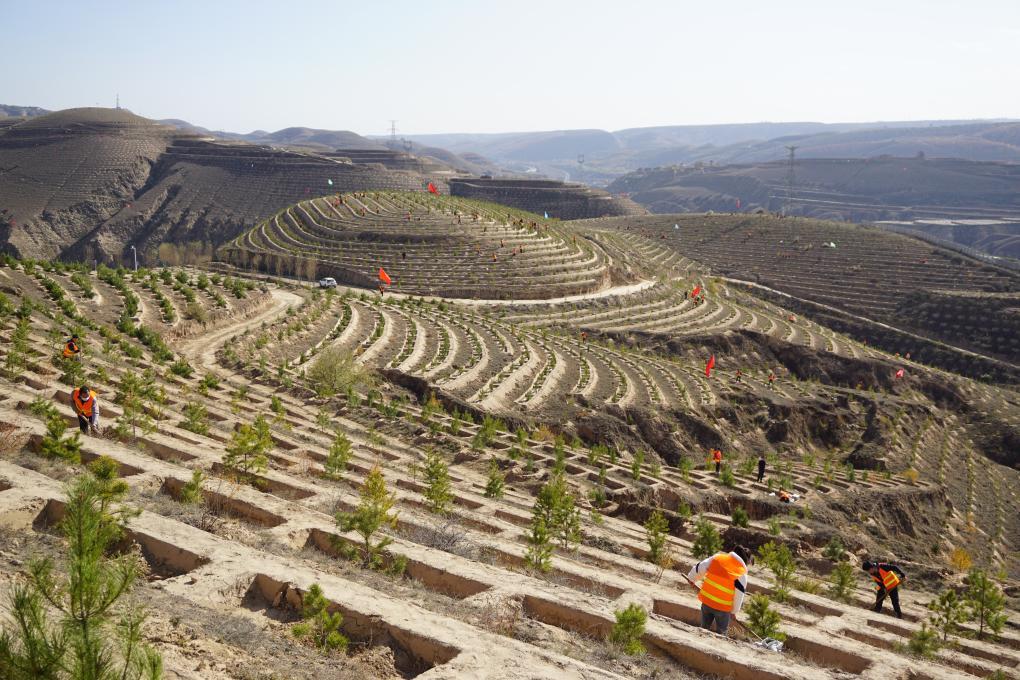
column 68, row 623
column 55, row 445
column 841, row 582
column 629, row 628
column 320, row 626
column 339, row 456
column 985, row 599
column 707, row 541
column 495, row 482
column 438, row 495
column 778, row 558
column 191, row 492
column 371, row 515
column 657, row 536
column 740, row 518
column 246, row 453
column 924, row 642
column 196, row 418
column 949, row 610
column 538, row 556
column 762, row 619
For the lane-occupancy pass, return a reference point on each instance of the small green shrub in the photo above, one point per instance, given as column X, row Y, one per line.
column 707, row 541
column 740, row 517
column 762, row 619
column 320, row 626
column 495, row 482
column 191, row 493
column 629, row 628
column 841, row 582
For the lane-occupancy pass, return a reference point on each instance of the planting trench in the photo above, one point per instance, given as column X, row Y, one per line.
column 165, row 560
column 433, row 578
column 222, row 503
column 413, row 653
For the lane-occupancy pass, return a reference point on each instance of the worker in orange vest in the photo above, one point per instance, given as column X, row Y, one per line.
column 72, row 350
column 86, row 407
column 887, row 578
column 717, row 459
column 724, row 582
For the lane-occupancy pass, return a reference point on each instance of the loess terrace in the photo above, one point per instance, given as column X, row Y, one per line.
column 581, row 358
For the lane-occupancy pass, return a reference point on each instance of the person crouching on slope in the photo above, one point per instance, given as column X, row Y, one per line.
column 72, row 350
column 888, row 578
column 724, row 582
column 83, row 401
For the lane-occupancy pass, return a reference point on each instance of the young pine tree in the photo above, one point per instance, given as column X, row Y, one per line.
column 196, row 418
column 778, row 558
column 496, row 481
column 707, row 541
column 949, row 610
column 740, row 517
column 320, row 626
column 55, row 445
column 248, row 447
column 657, row 535
column 841, row 582
column 69, row 623
column 191, row 493
column 558, row 509
column 371, row 515
column 538, row 556
column 339, row 456
column 986, row 602
column 762, row 619
column 628, row 629
column 438, row 495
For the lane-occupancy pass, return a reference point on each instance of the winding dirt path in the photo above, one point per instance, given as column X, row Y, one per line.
column 201, row 349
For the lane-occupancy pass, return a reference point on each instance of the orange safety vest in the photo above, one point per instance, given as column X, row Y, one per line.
column 70, row 349
column 717, row 456
column 720, row 581
column 83, row 407
column 889, row 579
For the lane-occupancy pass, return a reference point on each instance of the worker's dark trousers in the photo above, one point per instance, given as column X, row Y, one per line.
column 718, row 466
column 894, row 597
column 85, row 421
column 721, row 619
column 761, row 474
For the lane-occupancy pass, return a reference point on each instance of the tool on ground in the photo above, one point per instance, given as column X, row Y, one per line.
column 768, row 643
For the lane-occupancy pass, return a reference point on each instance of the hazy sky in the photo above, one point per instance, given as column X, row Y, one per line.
column 489, row 66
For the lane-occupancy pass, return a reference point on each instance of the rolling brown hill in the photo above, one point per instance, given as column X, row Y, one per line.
column 93, row 182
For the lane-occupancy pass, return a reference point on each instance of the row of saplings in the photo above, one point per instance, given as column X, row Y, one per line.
column 556, row 519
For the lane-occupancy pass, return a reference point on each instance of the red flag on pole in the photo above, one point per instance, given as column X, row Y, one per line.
column 384, row 277
column 697, row 289
column 432, row 188
column 709, row 366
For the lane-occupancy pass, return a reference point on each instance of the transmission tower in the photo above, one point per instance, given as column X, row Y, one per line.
column 118, row 100
column 791, row 179
column 393, row 132
column 580, row 165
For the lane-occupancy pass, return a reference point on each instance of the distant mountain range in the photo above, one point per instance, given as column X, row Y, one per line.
column 598, row 156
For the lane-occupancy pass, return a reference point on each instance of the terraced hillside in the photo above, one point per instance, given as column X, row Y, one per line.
column 509, row 404
column 90, row 183
column 428, row 245
column 562, row 200
column 848, row 277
